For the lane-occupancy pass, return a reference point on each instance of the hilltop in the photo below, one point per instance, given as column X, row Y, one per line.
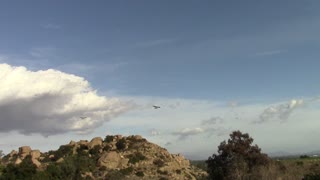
column 114, row 157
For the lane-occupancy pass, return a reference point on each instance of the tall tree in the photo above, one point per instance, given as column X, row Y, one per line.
column 236, row 158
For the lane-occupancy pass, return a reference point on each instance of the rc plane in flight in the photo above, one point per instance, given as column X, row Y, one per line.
column 156, row 107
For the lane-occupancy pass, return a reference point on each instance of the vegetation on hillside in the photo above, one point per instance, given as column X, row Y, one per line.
column 236, row 158
column 113, row 158
column 239, row 159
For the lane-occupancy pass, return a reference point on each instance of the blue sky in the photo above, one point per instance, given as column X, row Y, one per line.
column 256, row 54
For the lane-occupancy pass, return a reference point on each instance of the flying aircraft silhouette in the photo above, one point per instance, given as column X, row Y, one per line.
column 156, row 107
column 83, row 117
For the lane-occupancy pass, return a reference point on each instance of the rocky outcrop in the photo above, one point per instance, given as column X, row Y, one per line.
column 97, row 141
column 132, row 157
column 35, row 154
column 18, row 161
column 24, row 151
column 112, row 160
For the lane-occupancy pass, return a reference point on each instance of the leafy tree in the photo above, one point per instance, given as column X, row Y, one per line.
column 236, row 158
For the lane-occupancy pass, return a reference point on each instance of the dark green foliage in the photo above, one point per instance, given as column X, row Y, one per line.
column 311, row 177
column 95, row 150
column 113, row 175
column 163, row 178
column 304, row 156
column 140, row 174
column 136, row 157
column 126, row 171
column 178, row 171
column 54, row 171
column 201, row 164
column 63, row 151
column 121, row 144
column 25, row 170
column 162, row 172
column 108, row 139
column 71, row 168
column 135, row 143
column 299, row 163
column 106, row 148
column 236, row 158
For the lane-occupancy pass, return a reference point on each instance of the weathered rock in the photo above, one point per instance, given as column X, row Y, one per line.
column 24, row 151
column 35, row 154
column 83, row 142
column 12, row 153
column 118, row 136
column 95, row 141
column 88, row 174
column 72, row 143
column 181, row 160
column 18, row 161
column 36, row 162
column 60, row 160
column 139, row 156
column 112, row 160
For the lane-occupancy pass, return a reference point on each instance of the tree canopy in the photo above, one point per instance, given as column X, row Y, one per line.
column 236, row 158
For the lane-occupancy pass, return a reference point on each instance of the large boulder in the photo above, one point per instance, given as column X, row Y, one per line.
column 12, row 153
column 94, row 142
column 24, row 151
column 72, row 143
column 18, row 161
column 83, row 143
column 112, row 160
column 35, row 154
column 36, row 162
column 181, row 160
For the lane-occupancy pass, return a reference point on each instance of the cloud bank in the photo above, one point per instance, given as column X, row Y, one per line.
column 51, row 102
column 186, row 132
column 281, row 111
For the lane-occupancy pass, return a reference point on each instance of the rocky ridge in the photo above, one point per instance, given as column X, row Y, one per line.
column 115, row 157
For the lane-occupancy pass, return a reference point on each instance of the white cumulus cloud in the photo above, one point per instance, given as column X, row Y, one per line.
column 51, row 102
column 281, row 111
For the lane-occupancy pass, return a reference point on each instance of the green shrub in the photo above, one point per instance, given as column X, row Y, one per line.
column 299, row 163
column 126, row 171
column 108, row 139
column 311, row 177
column 163, row 178
column 54, row 171
column 106, row 148
column 25, row 170
column 304, row 157
column 162, row 172
column 121, row 144
column 140, row 174
column 63, row 151
column 136, row 157
column 114, row 174
column 95, row 150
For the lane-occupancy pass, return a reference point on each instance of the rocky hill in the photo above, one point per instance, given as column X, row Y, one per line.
column 115, row 157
